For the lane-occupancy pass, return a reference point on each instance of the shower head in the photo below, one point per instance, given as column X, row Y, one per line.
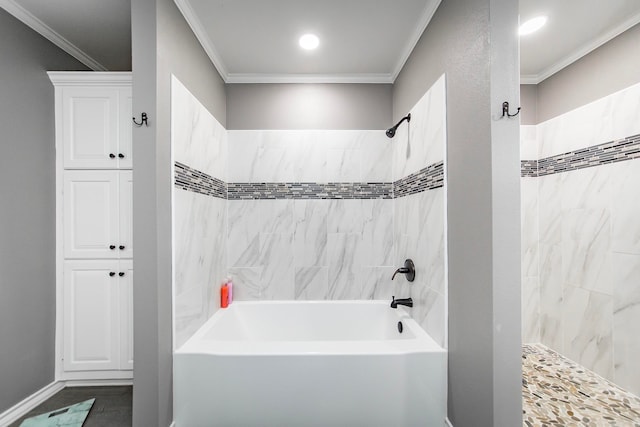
column 391, row 132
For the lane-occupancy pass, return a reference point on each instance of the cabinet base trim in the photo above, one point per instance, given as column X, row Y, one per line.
column 96, row 376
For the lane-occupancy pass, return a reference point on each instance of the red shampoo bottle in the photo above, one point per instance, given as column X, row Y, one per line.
column 224, row 296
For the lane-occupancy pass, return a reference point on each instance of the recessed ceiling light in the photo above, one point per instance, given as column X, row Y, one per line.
column 532, row 25
column 309, row 41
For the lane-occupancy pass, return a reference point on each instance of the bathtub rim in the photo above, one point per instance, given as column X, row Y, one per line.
column 421, row 343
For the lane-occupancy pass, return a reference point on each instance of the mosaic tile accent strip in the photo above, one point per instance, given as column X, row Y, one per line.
column 429, row 178
column 310, row 190
column 194, row 180
column 529, row 168
column 190, row 179
column 610, row 152
column 559, row 392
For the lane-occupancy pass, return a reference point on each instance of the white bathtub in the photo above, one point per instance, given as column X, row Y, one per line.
column 298, row 364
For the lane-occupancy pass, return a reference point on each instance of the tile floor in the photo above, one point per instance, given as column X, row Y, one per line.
column 558, row 392
column 112, row 406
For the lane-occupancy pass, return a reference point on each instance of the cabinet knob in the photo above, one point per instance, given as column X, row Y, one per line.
column 112, row 156
column 120, row 155
column 112, row 247
column 112, row 273
column 121, row 274
column 121, row 247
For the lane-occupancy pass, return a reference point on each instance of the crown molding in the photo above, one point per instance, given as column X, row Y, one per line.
column 47, row 32
column 425, row 18
column 90, row 78
column 529, row 79
column 198, row 29
column 309, row 78
column 580, row 52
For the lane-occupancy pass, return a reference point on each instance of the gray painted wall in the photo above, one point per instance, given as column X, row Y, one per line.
column 610, row 68
column 459, row 42
column 505, row 210
column 180, row 53
column 529, row 104
column 162, row 44
column 146, row 309
column 27, row 186
column 308, row 106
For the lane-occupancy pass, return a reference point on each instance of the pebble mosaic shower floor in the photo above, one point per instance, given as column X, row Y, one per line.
column 559, row 392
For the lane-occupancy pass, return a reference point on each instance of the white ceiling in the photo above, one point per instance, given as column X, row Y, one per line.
column 257, row 41
column 361, row 40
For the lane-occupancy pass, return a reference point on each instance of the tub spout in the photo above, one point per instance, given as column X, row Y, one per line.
column 401, row 301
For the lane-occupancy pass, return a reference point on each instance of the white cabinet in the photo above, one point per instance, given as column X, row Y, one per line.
column 94, row 321
column 96, row 127
column 125, row 214
column 97, row 315
column 97, row 214
column 126, row 314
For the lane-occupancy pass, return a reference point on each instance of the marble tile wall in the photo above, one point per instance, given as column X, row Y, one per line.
column 530, row 248
column 200, row 213
column 415, row 145
column 309, row 156
column 316, row 245
column 588, row 249
column 419, row 219
column 310, row 249
column 200, row 260
column 607, row 119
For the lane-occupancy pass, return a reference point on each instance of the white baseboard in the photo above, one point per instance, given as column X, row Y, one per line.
column 97, row 383
column 173, row 424
column 19, row 409
column 447, row 422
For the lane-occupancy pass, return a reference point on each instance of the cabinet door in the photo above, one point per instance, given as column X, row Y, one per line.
column 90, row 127
column 91, row 311
column 125, row 214
column 126, row 314
column 91, row 214
column 124, row 128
